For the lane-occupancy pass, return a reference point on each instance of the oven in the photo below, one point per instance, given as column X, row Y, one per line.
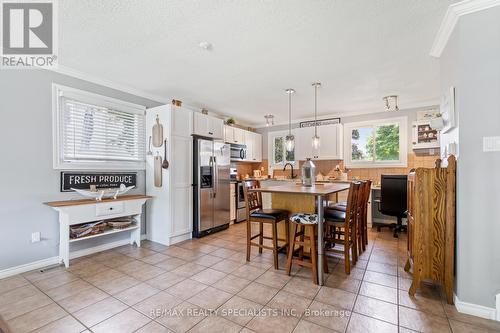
column 241, row 207
column 238, row 152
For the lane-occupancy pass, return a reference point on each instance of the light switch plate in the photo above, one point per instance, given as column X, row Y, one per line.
column 491, row 143
column 35, row 237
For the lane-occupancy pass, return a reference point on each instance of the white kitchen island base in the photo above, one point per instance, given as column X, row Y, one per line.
column 74, row 212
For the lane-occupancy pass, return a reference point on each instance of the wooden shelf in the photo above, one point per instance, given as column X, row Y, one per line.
column 107, row 232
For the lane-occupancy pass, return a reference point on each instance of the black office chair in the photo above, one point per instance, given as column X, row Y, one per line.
column 393, row 196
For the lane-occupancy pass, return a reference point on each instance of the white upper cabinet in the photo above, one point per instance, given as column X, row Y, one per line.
column 234, row 135
column 208, row 126
column 253, row 141
column 330, row 146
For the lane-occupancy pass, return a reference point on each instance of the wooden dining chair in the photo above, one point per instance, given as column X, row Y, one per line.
column 256, row 214
column 342, row 228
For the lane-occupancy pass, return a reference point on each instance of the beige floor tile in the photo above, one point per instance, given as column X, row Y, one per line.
column 377, row 309
column 258, row 293
column 66, row 324
column 404, row 284
column 126, row 321
column 106, row 275
column 171, row 263
column 153, row 327
column 460, row 327
column 419, row 302
column 206, row 248
column 422, row 321
column 328, row 316
column 68, row 289
column 182, row 318
column 37, row 318
column 39, row 274
column 216, row 324
column 140, row 253
column 302, row 287
column 248, row 272
column 336, row 297
column 155, row 258
column 380, row 292
column 208, row 276
column 156, row 305
column 186, row 289
column 345, row 283
column 296, row 305
column 83, row 299
column 18, row 294
column 363, row 324
column 231, row 284
column 207, row 260
column 99, row 311
column 136, row 294
column 452, row 313
column 305, row 326
column 210, row 298
column 55, row 281
column 382, row 268
column 270, row 322
column 146, row 272
column 165, row 280
column 273, row 279
column 24, row 305
column 380, row 278
column 239, row 310
column 11, row 283
column 189, row 269
column 226, row 266
column 223, row 253
column 114, row 286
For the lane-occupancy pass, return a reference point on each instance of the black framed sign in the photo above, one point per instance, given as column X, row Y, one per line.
column 319, row 122
column 102, row 180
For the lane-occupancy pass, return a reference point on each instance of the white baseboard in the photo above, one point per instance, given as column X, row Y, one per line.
column 29, row 267
column 475, row 309
column 180, row 238
column 56, row 260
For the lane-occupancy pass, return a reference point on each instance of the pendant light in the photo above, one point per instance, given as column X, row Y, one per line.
column 290, row 139
column 315, row 138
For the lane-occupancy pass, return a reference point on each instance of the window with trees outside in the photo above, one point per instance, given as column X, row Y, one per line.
column 277, row 150
column 376, row 144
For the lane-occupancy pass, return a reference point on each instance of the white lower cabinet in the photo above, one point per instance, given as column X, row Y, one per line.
column 169, row 214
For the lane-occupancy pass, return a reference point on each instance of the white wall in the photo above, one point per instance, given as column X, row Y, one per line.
column 471, row 63
column 27, row 176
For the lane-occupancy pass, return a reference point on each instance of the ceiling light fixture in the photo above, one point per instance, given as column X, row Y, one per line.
column 269, row 120
column 315, row 139
column 391, row 103
column 205, row 46
column 290, row 139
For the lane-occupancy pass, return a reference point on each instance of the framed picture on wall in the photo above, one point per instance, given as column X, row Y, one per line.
column 448, row 110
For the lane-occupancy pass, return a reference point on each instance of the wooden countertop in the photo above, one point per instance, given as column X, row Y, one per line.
column 323, row 189
column 78, row 202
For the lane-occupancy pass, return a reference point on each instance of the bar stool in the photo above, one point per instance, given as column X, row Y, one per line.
column 300, row 225
column 256, row 214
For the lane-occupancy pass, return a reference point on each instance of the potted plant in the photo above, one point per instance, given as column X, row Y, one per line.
column 230, row 121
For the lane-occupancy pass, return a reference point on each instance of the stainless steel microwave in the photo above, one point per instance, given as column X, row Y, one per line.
column 238, row 152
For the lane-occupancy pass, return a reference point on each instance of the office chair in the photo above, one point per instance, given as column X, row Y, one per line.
column 393, row 200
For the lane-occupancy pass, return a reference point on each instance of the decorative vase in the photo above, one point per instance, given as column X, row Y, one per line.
column 308, row 173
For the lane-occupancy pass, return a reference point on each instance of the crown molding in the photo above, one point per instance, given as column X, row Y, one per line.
column 454, row 12
column 108, row 83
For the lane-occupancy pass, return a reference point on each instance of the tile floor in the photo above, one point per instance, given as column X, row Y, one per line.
column 163, row 289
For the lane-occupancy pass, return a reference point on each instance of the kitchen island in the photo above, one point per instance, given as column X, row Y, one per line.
column 300, row 199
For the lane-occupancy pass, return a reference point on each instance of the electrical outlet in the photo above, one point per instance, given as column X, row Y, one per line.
column 35, row 237
column 491, row 143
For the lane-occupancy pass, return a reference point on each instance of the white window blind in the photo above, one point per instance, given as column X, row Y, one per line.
column 95, row 133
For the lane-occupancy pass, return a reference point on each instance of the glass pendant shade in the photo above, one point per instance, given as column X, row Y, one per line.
column 316, row 142
column 315, row 139
column 290, row 142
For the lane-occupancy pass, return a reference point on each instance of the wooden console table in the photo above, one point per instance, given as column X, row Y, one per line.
column 73, row 212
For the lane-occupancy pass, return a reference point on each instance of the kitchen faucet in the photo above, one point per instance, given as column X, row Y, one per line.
column 291, row 165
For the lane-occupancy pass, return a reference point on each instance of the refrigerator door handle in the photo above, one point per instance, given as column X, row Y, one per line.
column 216, row 179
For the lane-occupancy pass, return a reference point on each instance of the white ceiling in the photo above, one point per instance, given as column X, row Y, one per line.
column 361, row 50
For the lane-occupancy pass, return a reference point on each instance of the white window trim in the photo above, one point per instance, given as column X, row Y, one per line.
column 270, row 148
column 403, row 144
column 57, row 128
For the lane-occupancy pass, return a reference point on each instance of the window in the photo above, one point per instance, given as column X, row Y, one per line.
column 279, row 154
column 381, row 143
column 96, row 132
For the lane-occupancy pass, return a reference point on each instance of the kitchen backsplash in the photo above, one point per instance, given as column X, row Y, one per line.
column 326, row 168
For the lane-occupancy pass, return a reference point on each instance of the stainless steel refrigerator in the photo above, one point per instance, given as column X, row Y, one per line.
column 211, row 183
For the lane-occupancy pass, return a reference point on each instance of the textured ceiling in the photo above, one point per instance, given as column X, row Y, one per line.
column 360, row 50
